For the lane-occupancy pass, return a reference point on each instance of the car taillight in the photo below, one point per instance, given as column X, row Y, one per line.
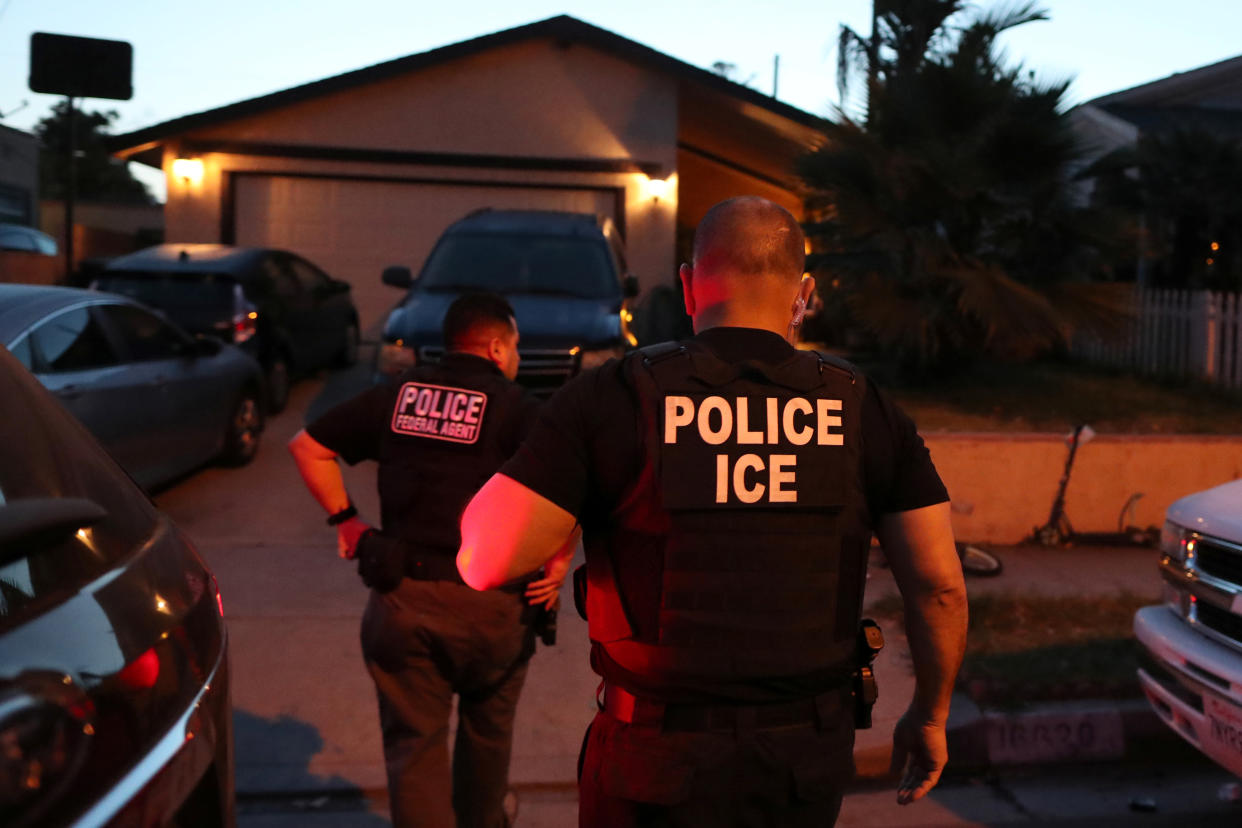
column 244, row 326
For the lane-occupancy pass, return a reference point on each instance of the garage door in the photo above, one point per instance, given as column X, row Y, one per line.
column 353, row 229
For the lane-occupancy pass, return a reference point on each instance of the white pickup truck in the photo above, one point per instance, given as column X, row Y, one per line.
column 1192, row 665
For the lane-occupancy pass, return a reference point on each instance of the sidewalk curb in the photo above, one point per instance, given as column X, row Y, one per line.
column 1048, row 733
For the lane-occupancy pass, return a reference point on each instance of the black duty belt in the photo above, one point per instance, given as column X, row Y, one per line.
column 422, row 565
column 824, row 711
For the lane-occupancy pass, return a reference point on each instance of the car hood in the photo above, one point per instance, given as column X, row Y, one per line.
column 544, row 321
column 1216, row 512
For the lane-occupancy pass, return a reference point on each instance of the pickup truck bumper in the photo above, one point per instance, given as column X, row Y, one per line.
column 1193, row 683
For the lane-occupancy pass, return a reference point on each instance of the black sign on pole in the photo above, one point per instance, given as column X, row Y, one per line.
column 81, row 67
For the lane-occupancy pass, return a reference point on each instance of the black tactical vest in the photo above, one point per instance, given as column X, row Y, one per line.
column 748, row 513
column 451, row 427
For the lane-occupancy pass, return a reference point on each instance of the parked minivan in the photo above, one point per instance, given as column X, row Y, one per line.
column 564, row 273
column 1191, row 667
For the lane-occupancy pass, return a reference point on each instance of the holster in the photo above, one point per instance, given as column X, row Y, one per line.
column 381, row 560
column 580, row 591
column 865, row 691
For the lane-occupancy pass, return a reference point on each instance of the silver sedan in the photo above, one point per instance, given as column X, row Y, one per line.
column 160, row 401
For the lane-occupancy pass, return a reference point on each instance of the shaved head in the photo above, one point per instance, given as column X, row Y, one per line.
column 751, row 237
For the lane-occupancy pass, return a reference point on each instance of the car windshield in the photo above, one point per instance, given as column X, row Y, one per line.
column 172, row 291
column 46, row 453
column 522, row 264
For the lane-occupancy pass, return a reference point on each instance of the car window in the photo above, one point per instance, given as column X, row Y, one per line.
column 310, row 279
column 16, row 240
column 22, row 351
column 45, row 244
column 522, row 264
column 172, row 292
column 72, row 341
column 144, row 335
column 283, row 279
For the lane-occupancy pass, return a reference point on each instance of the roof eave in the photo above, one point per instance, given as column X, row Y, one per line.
column 563, row 27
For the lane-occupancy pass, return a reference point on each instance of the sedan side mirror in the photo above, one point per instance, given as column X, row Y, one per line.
column 630, row 285
column 398, row 276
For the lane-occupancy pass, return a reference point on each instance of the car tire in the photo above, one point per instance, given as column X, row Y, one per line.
column 278, row 382
column 349, row 351
column 241, row 433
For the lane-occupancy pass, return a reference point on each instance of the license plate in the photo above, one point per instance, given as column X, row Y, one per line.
column 1225, row 724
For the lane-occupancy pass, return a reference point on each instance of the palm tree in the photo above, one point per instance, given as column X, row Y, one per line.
column 945, row 221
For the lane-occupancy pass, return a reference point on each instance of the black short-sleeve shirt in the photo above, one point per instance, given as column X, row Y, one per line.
column 584, row 449
column 424, row 483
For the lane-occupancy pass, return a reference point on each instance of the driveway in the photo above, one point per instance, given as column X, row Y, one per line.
column 305, row 712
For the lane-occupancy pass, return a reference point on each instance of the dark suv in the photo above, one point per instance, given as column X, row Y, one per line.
column 564, row 274
column 285, row 311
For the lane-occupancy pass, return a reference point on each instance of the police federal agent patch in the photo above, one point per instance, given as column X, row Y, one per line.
column 778, row 450
column 439, row 412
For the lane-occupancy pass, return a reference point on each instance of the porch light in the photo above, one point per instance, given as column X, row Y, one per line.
column 657, row 188
column 189, row 170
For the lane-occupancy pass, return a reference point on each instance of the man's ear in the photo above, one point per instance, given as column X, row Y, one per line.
column 686, row 272
column 496, row 351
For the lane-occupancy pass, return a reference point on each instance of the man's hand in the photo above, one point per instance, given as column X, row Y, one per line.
column 920, row 752
column 547, row 589
column 347, row 534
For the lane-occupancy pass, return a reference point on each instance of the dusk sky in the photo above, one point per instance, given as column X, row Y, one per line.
column 194, row 56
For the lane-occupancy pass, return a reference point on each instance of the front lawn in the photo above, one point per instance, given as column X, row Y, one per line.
column 1054, row 396
column 1029, row 648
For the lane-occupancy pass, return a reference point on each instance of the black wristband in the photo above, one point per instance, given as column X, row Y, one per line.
column 343, row 515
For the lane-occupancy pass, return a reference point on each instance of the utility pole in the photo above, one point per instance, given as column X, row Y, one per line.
column 776, row 74
column 71, row 187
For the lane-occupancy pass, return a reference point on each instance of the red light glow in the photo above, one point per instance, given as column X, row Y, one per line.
column 142, row 672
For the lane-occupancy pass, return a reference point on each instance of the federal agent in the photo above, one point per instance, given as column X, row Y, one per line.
column 727, row 489
column 438, row 434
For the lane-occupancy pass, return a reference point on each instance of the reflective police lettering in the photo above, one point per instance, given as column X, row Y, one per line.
column 754, row 421
column 439, row 412
column 718, row 421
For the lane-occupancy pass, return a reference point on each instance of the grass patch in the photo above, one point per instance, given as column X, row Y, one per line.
column 1055, row 396
column 1028, row 648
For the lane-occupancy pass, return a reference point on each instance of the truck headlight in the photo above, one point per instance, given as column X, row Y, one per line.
column 594, row 359
column 394, row 357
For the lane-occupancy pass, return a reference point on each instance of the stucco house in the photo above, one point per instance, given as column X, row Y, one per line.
column 365, row 169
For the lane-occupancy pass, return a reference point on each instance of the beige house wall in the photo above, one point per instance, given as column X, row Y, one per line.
column 533, row 99
column 1003, row 485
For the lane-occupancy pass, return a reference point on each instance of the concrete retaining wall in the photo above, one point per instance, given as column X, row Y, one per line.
column 1003, row 485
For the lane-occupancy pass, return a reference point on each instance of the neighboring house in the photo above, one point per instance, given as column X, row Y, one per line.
column 1207, row 98
column 365, row 169
column 19, row 176
column 19, row 204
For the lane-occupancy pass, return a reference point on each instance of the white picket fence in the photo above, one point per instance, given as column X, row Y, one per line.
column 1176, row 333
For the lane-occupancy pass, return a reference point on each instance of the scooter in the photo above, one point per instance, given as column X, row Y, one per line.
column 1058, row 531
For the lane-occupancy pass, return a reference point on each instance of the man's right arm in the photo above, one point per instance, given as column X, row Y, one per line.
column 919, row 547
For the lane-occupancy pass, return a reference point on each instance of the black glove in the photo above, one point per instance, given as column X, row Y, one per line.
column 381, row 561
